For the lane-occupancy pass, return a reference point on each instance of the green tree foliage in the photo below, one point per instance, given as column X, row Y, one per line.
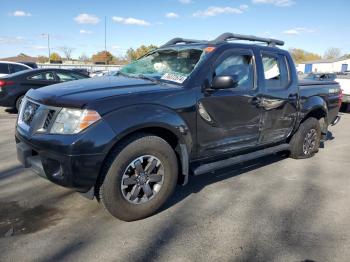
column 102, row 57
column 133, row 54
column 332, row 52
column 55, row 57
column 300, row 55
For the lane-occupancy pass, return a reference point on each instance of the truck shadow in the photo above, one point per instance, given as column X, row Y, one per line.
column 197, row 183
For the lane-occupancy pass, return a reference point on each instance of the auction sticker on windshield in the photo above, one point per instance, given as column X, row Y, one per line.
column 174, row 77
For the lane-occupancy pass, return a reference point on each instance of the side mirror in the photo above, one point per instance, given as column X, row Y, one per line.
column 224, row 82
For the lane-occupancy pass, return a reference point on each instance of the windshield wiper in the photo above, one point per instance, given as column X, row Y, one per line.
column 142, row 76
column 123, row 74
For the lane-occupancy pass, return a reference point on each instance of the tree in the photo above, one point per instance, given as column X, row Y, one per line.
column 55, row 57
column 133, row 54
column 67, row 51
column 102, row 57
column 332, row 52
column 84, row 58
column 300, row 55
column 43, row 59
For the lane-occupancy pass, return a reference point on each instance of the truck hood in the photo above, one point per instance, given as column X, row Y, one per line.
column 81, row 92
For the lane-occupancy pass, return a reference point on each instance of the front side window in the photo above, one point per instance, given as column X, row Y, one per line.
column 275, row 71
column 173, row 64
column 63, row 77
column 239, row 66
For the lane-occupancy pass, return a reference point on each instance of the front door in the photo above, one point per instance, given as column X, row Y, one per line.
column 279, row 98
column 227, row 119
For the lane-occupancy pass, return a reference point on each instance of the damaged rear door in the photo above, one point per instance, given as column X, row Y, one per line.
column 279, row 99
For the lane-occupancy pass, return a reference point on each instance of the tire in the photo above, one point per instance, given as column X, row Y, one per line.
column 18, row 102
column 300, row 140
column 121, row 203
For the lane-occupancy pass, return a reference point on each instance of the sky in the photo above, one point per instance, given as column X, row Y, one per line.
column 308, row 24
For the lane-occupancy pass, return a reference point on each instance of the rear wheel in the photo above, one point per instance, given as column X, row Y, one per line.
column 306, row 141
column 19, row 102
column 140, row 177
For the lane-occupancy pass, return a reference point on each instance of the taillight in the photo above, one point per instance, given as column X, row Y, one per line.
column 5, row 83
column 340, row 97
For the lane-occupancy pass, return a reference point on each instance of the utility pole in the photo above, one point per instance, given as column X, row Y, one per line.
column 106, row 39
column 48, row 43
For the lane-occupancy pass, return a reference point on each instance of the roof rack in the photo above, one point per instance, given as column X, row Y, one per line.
column 179, row 40
column 229, row 36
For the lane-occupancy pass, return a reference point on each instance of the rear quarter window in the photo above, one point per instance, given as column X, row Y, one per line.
column 276, row 72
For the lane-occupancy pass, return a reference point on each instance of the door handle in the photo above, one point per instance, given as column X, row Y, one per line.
column 293, row 97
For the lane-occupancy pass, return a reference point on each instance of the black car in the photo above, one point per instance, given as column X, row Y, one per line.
column 189, row 107
column 31, row 64
column 321, row 76
column 13, row 87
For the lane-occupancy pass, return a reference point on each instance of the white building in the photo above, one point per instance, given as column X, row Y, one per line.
column 325, row 66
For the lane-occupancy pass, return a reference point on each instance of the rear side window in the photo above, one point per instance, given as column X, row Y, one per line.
column 48, row 76
column 4, row 69
column 17, row 68
column 275, row 71
column 239, row 65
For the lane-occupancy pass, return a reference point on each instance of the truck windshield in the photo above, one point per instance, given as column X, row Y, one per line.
column 173, row 65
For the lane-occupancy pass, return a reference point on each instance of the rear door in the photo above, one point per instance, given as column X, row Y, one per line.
column 227, row 119
column 279, row 98
column 40, row 79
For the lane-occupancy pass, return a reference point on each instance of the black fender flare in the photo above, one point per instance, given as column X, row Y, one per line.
column 130, row 119
column 311, row 106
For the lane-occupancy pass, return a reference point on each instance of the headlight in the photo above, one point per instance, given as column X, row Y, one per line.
column 72, row 121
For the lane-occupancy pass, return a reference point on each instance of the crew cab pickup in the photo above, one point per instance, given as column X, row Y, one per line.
column 186, row 108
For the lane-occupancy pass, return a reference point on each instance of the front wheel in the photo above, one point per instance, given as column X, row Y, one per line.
column 306, row 141
column 140, row 177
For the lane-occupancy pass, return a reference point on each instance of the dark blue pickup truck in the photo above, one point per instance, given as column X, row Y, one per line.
column 187, row 108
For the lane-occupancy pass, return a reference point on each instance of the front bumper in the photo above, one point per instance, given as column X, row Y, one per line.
column 72, row 162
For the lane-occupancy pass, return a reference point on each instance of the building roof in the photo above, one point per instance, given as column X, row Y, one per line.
column 332, row 60
column 20, row 58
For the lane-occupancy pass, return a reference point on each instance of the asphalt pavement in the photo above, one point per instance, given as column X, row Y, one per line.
column 270, row 209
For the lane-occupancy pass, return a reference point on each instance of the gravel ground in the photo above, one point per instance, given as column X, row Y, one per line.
column 270, row 209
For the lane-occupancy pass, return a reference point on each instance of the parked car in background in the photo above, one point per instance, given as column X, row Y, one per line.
column 321, row 76
column 189, row 107
column 98, row 73
column 344, row 82
column 81, row 71
column 11, row 67
column 30, row 64
column 13, row 87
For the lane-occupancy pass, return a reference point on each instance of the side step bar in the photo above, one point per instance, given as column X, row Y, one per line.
column 238, row 159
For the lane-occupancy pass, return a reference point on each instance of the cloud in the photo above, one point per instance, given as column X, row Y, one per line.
column 216, row 10
column 115, row 47
column 185, row 1
column 11, row 40
column 39, row 47
column 172, row 15
column 87, row 32
column 86, row 19
column 130, row 21
column 20, row 13
column 298, row 31
column 279, row 3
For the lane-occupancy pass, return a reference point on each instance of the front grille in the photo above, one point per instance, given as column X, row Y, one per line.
column 48, row 119
column 29, row 112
